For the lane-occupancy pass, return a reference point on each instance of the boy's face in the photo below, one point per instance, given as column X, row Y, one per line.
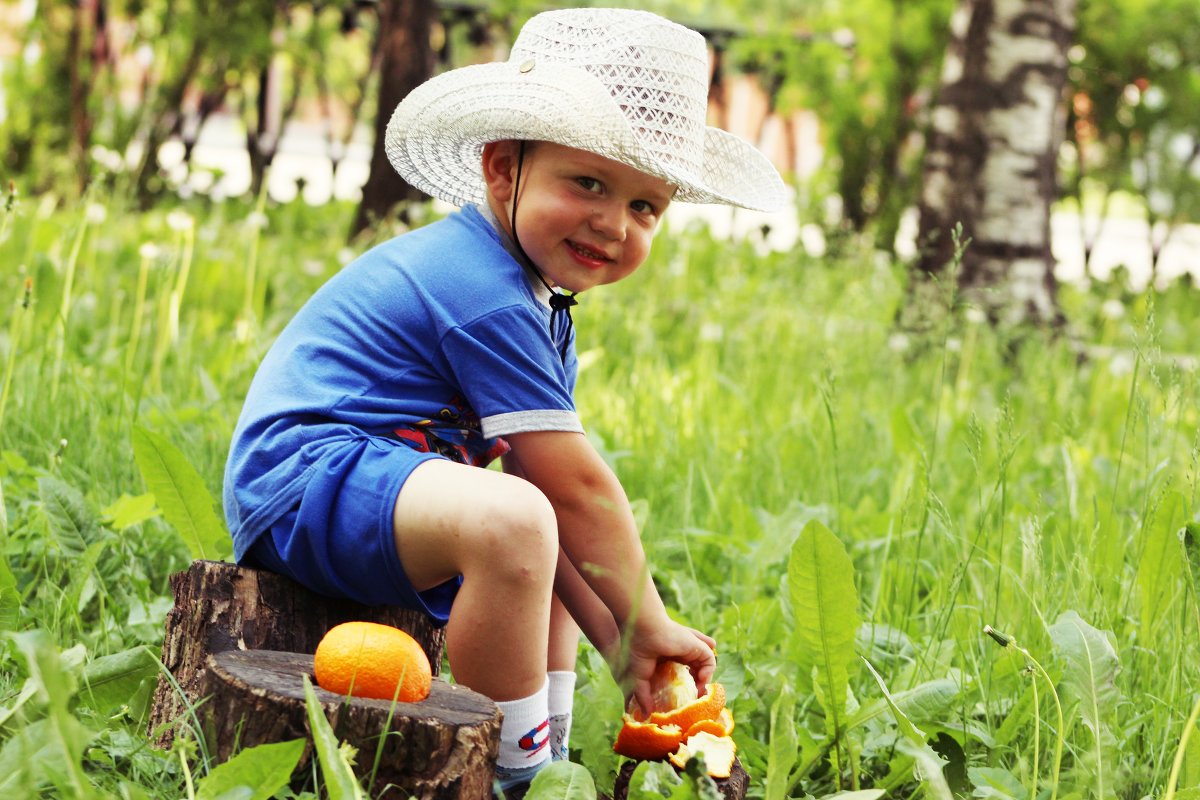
column 583, row 219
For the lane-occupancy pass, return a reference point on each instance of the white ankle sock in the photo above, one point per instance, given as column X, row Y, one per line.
column 561, row 700
column 524, row 732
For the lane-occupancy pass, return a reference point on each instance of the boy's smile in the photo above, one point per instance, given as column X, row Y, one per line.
column 584, row 220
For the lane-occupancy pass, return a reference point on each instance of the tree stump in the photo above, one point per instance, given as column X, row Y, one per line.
column 443, row 748
column 731, row 788
column 220, row 606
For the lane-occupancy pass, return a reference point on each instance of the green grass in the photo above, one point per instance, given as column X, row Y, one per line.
column 740, row 397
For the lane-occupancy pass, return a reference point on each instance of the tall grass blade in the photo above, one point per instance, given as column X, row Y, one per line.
column 10, row 595
column 340, row 783
column 820, row 579
column 1159, row 567
column 181, row 494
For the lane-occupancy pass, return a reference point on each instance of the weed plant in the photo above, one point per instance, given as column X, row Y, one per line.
column 844, row 505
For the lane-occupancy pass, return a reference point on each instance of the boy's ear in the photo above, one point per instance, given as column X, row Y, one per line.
column 500, row 168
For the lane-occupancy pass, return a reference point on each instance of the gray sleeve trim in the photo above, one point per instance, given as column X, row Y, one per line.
column 527, row 421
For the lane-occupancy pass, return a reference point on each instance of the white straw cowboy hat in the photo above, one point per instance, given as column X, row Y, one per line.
column 626, row 85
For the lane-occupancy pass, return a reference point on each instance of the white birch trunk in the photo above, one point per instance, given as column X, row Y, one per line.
column 991, row 159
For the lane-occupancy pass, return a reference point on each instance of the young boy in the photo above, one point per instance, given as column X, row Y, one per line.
column 355, row 465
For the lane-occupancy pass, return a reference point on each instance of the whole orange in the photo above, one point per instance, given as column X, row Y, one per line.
column 366, row 659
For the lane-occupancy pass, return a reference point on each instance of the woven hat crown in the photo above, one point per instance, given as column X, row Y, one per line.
column 655, row 70
column 627, row 85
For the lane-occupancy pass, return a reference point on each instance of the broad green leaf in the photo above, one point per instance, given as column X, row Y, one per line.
column 1189, row 540
column 127, row 511
column 653, row 780
column 996, row 782
column 781, row 754
column 110, row 681
column 1159, row 567
column 926, row 702
column 72, row 522
column 181, row 494
column 1189, row 776
column 860, row 794
column 3, row 519
column 28, row 690
column 10, row 598
column 1091, row 668
column 562, row 780
column 340, row 782
column 928, row 764
column 261, row 771
column 696, row 783
column 825, row 605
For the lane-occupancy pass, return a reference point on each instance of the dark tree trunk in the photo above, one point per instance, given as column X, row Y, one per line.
column 442, row 748
column 991, row 159
column 221, row 606
column 407, row 61
column 732, row 788
column 86, row 52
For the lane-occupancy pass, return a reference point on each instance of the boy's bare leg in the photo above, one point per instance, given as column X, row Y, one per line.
column 564, row 638
column 499, row 532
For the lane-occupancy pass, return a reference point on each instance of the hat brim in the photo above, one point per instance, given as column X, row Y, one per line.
column 435, row 137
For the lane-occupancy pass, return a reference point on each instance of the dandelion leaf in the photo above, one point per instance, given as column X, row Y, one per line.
column 820, row 581
column 111, row 681
column 72, row 523
column 653, row 780
column 927, row 764
column 256, row 773
column 1091, row 667
column 562, row 780
column 995, row 782
column 181, row 494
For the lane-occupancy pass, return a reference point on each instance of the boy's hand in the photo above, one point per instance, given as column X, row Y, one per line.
column 668, row 642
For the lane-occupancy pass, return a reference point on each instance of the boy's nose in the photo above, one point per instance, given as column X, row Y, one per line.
column 609, row 221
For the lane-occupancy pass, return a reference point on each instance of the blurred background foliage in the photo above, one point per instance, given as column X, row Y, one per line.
column 93, row 88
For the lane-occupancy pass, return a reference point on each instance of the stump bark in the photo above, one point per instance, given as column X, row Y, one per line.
column 732, row 788
column 220, row 606
column 443, row 748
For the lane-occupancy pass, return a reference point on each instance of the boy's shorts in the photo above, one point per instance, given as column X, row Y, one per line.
column 338, row 540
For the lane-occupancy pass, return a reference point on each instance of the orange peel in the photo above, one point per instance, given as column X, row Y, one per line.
column 647, row 741
column 721, row 726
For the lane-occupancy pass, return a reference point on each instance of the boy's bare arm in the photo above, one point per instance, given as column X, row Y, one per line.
column 598, row 534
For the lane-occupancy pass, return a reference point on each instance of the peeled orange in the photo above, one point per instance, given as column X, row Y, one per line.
column 718, row 752
column 366, row 659
column 677, row 718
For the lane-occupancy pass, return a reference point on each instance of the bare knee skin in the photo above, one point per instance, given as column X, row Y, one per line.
column 499, row 532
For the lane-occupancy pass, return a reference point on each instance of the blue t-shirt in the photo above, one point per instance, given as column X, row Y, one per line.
column 436, row 339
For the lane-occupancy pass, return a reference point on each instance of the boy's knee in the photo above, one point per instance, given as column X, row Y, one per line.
column 520, row 534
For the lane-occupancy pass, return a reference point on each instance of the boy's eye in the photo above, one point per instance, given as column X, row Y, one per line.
column 589, row 184
column 642, row 207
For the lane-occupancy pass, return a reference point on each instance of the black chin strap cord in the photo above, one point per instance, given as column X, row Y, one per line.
column 560, row 304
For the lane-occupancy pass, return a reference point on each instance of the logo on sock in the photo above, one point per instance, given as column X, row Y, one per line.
column 531, row 743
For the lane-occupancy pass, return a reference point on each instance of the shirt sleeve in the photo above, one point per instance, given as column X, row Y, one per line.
column 511, row 374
